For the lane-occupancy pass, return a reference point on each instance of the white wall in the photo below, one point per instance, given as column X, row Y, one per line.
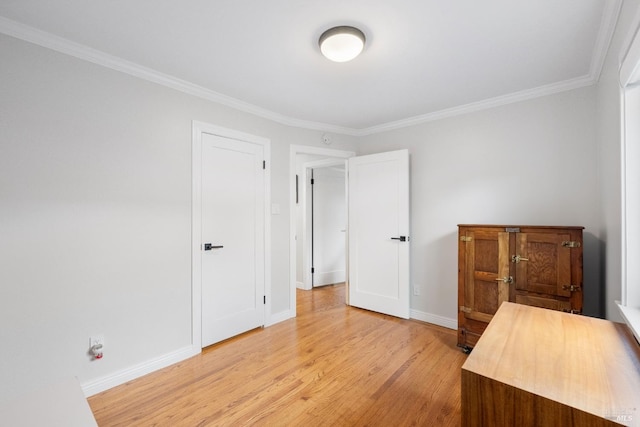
column 608, row 119
column 95, row 208
column 534, row 162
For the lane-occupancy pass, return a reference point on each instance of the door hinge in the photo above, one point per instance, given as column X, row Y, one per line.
column 571, row 311
column 465, row 309
column 313, row 270
column 264, row 164
column 571, row 244
column 312, row 181
column 572, row 288
column 264, row 299
column 466, row 238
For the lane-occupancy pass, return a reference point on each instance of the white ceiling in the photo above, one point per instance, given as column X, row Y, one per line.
column 423, row 59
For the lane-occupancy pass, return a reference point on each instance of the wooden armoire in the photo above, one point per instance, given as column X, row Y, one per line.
column 534, row 265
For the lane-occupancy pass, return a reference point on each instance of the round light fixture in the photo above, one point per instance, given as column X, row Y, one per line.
column 341, row 44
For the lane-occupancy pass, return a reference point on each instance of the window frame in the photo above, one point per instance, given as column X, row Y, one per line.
column 630, row 181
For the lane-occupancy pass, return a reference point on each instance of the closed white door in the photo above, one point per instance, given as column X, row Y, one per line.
column 379, row 232
column 232, row 250
column 329, row 225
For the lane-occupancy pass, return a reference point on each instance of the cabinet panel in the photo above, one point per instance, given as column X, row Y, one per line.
column 543, row 264
column 487, row 265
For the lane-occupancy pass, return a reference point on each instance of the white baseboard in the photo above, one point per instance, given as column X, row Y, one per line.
column 445, row 322
column 101, row 384
column 328, row 277
column 279, row 317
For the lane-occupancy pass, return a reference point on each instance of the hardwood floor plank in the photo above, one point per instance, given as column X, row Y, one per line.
column 332, row 365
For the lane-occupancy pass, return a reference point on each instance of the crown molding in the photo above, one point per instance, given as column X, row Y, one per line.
column 605, row 35
column 485, row 104
column 68, row 47
column 603, row 40
column 48, row 40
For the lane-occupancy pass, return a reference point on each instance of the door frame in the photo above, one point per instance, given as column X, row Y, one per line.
column 304, row 191
column 199, row 128
column 294, row 150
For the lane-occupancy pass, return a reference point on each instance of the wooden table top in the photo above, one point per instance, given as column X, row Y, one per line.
column 583, row 362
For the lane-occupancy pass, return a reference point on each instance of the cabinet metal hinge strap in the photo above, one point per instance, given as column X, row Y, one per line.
column 571, row 288
column 465, row 309
column 466, row 238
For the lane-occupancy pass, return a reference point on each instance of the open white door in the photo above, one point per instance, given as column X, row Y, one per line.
column 379, row 232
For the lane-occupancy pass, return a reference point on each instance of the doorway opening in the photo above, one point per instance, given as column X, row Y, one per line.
column 328, row 163
column 322, row 223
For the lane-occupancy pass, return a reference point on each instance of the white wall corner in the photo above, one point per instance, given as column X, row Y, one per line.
column 445, row 322
column 120, row 377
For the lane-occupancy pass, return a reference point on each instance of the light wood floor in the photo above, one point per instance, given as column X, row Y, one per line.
column 331, row 366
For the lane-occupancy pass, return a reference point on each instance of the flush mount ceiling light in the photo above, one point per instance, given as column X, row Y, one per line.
column 341, row 44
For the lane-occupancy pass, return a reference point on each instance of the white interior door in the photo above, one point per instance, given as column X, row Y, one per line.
column 329, row 225
column 232, row 254
column 379, row 232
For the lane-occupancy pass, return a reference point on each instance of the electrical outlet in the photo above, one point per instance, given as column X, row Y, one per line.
column 96, row 347
column 96, row 340
column 416, row 290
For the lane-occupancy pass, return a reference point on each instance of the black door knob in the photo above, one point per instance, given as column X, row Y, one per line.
column 209, row 246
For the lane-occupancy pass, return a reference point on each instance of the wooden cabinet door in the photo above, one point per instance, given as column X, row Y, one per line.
column 543, row 264
column 486, row 273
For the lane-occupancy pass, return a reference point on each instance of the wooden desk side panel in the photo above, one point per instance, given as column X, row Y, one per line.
column 489, row 403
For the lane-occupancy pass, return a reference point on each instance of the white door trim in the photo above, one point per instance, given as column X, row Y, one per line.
column 198, row 128
column 293, row 151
